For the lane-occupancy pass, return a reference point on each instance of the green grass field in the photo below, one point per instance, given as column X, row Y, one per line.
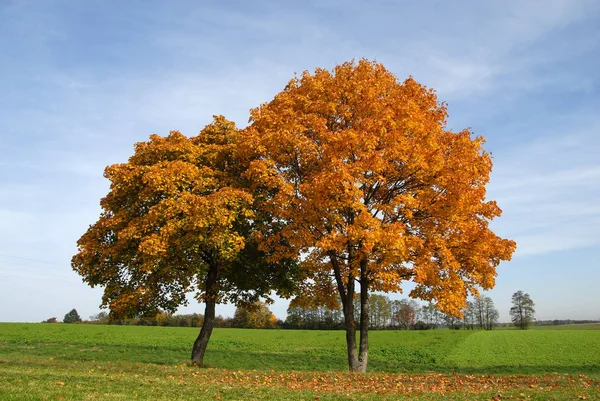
column 586, row 326
column 45, row 361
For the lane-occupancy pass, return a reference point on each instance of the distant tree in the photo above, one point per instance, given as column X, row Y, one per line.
column 490, row 312
column 406, row 314
column 191, row 320
column 484, row 312
column 101, row 318
column 72, row 317
column 380, row 315
column 295, row 317
column 394, row 310
column 469, row 317
column 332, row 318
column 162, row 319
column 50, row 320
column 430, row 315
column 451, row 321
column 313, row 317
column 478, row 317
column 255, row 316
column 522, row 311
column 223, row 322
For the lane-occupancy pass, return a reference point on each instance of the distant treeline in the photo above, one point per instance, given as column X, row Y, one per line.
column 559, row 322
column 160, row 319
column 385, row 314
column 256, row 316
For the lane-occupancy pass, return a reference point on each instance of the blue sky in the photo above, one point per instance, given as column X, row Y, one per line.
column 81, row 82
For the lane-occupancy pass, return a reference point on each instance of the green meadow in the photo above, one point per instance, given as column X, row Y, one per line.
column 45, row 361
column 586, row 326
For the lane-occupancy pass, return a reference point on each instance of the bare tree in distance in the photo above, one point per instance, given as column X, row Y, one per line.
column 484, row 313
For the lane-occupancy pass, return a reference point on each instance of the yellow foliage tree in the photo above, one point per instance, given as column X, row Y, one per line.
column 254, row 316
column 373, row 190
column 178, row 220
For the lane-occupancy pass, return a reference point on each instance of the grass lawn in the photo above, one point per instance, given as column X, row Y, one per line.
column 50, row 361
column 583, row 326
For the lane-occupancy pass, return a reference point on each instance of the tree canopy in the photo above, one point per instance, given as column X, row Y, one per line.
column 178, row 220
column 522, row 311
column 349, row 174
column 72, row 317
column 373, row 190
column 255, row 316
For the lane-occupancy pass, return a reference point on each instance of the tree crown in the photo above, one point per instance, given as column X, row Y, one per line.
column 175, row 208
column 361, row 168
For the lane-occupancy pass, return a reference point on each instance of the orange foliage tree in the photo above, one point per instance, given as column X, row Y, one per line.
column 373, row 190
column 178, row 220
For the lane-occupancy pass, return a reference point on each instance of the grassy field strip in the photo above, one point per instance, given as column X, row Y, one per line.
column 38, row 379
column 524, row 351
column 444, row 351
column 46, row 361
column 584, row 326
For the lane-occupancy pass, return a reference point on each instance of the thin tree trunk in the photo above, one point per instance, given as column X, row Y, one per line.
column 520, row 319
column 350, row 326
column 199, row 348
column 363, row 353
column 357, row 358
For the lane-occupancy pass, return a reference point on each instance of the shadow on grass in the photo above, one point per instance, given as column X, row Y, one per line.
column 308, row 362
column 259, row 360
column 160, row 355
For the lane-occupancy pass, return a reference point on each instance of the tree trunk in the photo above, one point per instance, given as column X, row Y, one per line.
column 357, row 359
column 363, row 353
column 199, row 348
column 351, row 338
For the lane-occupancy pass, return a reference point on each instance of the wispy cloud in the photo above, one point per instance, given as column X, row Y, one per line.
column 501, row 48
column 549, row 190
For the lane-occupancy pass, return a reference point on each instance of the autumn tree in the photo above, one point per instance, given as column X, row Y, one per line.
column 254, row 316
column 406, row 313
column 373, row 190
column 522, row 311
column 178, row 220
